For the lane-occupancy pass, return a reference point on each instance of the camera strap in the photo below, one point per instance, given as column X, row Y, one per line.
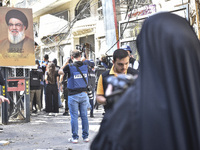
column 82, row 75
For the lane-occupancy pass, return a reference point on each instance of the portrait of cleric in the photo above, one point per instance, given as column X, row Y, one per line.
column 16, row 39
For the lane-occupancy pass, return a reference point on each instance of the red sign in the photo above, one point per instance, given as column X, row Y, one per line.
column 16, row 85
column 143, row 11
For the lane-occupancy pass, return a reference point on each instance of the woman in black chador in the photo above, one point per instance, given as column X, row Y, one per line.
column 162, row 110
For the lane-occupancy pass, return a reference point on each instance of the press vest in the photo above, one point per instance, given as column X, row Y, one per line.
column 76, row 81
column 34, row 78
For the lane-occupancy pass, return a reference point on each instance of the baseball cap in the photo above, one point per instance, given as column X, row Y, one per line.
column 92, row 63
column 127, row 48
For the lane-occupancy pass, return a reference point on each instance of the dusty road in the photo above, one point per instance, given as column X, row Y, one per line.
column 47, row 131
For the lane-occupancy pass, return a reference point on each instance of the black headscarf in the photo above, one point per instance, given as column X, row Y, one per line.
column 55, row 61
column 162, row 111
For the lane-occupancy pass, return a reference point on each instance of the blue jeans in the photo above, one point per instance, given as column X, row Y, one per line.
column 79, row 102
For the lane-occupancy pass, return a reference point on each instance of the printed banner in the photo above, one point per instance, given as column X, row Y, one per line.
column 16, row 38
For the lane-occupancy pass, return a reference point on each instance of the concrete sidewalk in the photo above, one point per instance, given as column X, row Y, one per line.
column 47, row 131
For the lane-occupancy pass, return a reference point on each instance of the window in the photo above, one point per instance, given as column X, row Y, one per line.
column 82, row 9
column 62, row 15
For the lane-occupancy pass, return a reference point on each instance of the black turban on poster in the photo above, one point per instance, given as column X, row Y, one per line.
column 18, row 15
column 162, row 110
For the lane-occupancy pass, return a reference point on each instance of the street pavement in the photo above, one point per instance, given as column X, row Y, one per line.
column 47, row 131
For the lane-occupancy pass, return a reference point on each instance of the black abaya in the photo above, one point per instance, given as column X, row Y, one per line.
column 162, row 111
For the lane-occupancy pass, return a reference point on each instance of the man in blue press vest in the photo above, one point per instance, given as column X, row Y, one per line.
column 77, row 97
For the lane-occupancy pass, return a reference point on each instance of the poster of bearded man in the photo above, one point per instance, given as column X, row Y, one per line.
column 16, row 38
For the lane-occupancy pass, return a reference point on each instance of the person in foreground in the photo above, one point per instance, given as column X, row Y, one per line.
column 3, row 99
column 163, row 111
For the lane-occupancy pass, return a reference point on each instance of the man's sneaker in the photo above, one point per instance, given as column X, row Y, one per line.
column 1, row 129
column 66, row 113
column 91, row 115
column 71, row 140
column 34, row 111
column 86, row 140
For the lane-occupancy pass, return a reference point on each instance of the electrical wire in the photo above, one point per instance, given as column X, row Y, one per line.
column 71, row 24
column 86, row 6
column 135, row 4
column 121, row 33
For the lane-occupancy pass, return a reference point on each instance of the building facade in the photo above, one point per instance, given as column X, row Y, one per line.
column 64, row 25
column 61, row 26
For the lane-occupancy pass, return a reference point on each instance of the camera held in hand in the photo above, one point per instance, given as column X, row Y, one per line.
column 120, row 84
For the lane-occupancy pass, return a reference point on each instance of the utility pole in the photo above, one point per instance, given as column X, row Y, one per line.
column 116, row 26
column 110, row 23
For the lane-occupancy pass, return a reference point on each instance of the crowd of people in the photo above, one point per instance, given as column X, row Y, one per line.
column 160, row 110
column 77, row 79
column 45, row 80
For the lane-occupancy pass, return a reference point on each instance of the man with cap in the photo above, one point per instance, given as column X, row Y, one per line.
column 77, row 95
column 133, row 63
column 17, row 41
